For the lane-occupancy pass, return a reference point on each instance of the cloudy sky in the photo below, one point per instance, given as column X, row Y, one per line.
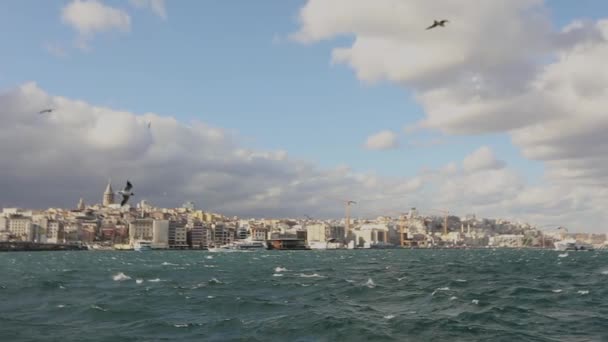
column 287, row 107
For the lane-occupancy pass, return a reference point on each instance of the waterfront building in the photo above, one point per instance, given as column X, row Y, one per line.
column 222, row 234
column 160, row 234
column 369, row 234
column 259, row 233
column 141, row 229
column 507, row 240
column 21, row 227
column 178, row 236
column 200, row 236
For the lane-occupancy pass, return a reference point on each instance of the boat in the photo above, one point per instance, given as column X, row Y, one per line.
column 240, row 245
column 142, row 246
column 99, row 247
column 572, row 245
column 287, row 244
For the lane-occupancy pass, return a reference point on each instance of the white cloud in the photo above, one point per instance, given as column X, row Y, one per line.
column 482, row 159
column 157, row 6
column 54, row 159
column 90, row 17
column 384, row 140
column 547, row 87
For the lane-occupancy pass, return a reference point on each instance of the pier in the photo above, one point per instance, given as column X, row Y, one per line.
column 38, row 247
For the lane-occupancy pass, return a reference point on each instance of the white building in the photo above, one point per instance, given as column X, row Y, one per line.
column 507, row 240
column 54, row 231
column 141, row 230
column 21, row 228
column 160, row 234
column 369, row 234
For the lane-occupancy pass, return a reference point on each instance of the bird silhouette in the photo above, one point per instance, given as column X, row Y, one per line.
column 126, row 193
column 45, row 111
column 437, row 23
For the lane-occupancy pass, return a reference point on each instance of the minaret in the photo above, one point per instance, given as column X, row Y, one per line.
column 81, row 205
column 108, row 195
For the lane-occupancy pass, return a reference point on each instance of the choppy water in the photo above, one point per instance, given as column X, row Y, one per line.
column 379, row 295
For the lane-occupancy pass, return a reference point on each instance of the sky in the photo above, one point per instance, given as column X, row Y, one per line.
column 285, row 108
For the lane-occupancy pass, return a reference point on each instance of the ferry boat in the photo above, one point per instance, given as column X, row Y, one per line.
column 240, row 245
column 572, row 245
column 142, row 246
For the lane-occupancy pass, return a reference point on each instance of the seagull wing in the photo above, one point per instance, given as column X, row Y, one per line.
column 128, row 187
column 125, row 198
column 430, row 27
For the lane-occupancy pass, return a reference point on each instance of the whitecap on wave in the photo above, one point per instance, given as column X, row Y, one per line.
column 440, row 289
column 583, row 292
column 557, row 291
column 280, row 269
column 277, row 275
column 120, row 277
column 214, row 281
column 370, row 283
column 315, row 275
column 154, row 280
column 389, row 316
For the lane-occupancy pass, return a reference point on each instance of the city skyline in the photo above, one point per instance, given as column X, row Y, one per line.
column 290, row 116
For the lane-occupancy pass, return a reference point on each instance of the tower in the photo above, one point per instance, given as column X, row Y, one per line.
column 81, row 205
column 108, row 195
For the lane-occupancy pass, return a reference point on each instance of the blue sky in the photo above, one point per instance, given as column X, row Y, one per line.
column 218, row 62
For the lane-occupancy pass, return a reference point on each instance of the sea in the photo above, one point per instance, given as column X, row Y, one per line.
column 348, row 295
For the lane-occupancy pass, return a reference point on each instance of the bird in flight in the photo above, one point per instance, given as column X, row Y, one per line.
column 437, row 23
column 126, row 193
column 45, row 111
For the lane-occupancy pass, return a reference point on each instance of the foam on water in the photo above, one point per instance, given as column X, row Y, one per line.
column 280, row 269
column 277, row 275
column 370, row 283
column 315, row 275
column 214, row 281
column 120, row 277
column 583, row 292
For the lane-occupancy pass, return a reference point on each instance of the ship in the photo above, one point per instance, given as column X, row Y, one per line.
column 572, row 245
column 141, row 246
column 240, row 245
column 287, row 244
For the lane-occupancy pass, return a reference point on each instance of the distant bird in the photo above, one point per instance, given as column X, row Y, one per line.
column 437, row 23
column 126, row 193
column 46, row 111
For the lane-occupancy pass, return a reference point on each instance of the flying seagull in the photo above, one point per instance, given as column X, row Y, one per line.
column 126, row 193
column 437, row 23
column 45, row 111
